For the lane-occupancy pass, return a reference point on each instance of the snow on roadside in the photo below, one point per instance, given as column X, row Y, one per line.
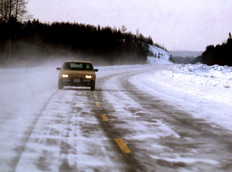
column 160, row 56
column 199, row 69
column 204, row 91
column 211, row 82
column 24, row 92
column 202, row 96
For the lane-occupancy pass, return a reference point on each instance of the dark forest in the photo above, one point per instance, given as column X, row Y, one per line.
column 219, row 54
column 213, row 55
column 33, row 40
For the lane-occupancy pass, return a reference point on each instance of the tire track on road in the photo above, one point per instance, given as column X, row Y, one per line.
column 212, row 143
column 20, row 149
column 127, row 154
column 200, row 145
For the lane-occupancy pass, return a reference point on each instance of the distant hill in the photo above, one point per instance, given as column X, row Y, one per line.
column 184, row 56
column 185, row 53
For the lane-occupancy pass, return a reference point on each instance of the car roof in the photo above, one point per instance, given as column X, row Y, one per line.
column 77, row 62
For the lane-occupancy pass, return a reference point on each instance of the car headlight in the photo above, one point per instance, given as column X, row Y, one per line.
column 88, row 76
column 64, row 75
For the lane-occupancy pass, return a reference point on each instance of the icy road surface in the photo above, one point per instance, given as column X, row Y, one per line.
column 140, row 118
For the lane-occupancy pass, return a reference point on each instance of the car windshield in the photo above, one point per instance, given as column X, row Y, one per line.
column 77, row 66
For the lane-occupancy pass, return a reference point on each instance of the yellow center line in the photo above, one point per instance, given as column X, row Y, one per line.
column 104, row 117
column 97, row 103
column 122, row 146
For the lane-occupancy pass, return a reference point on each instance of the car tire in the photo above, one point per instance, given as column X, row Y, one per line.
column 93, row 86
column 60, row 85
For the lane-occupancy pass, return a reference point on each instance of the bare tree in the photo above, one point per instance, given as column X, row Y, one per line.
column 3, row 10
column 6, row 9
column 20, row 9
column 124, row 29
column 12, row 9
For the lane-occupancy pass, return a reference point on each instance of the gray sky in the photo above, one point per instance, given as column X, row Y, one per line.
column 174, row 24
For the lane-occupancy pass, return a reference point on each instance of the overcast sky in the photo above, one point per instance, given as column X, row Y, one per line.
column 174, row 24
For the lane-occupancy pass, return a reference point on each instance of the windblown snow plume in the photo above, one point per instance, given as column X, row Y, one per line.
column 160, row 56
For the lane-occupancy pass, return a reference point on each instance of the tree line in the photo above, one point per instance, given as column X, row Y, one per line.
column 21, row 40
column 219, row 54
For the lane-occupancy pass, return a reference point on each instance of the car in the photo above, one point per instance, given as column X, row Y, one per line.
column 77, row 73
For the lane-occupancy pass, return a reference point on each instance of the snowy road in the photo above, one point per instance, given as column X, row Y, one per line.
column 161, row 135
column 125, row 125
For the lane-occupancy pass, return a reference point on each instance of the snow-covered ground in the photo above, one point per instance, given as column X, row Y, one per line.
column 201, row 90
column 205, row 91
column 159, row 56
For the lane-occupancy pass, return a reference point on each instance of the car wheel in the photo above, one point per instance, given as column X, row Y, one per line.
column 60, row 85
column 93, row 86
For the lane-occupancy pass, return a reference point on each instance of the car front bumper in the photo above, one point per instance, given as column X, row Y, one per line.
column 77, row 82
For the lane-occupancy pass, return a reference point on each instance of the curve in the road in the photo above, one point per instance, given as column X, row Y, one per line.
column 199, row 145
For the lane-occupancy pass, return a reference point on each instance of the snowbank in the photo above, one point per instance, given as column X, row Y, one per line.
column 211, row 82
column 199, row 69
